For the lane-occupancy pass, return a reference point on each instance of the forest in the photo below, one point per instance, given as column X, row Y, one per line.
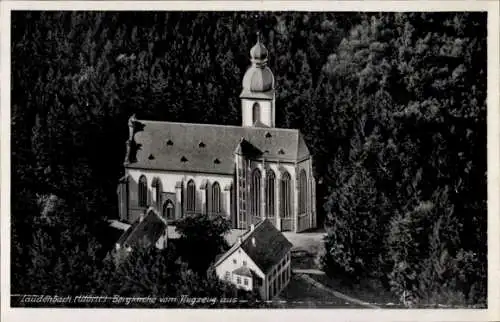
column 392, row 107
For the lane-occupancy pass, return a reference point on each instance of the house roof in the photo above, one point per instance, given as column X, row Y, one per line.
column 265, row 245
column 210, row 148
column 145, row 232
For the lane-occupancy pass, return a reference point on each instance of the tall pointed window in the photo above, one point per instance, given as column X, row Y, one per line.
column 270, row 190
column 255, row 190
column 207, row 198
column 255, row 112
column 143, row 192
column 302, row 192
column 285, row 196
column 215, row 197
column 156, row 184
column 191, row 196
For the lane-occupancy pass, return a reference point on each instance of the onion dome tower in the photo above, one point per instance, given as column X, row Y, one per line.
column 258, row 94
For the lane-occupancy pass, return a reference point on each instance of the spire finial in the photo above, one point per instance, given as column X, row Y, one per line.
column 258, row 36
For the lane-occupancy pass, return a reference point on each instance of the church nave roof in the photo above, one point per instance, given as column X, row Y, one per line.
column 176, row 146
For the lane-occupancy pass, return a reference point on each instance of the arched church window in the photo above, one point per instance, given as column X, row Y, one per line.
column 191, row 196
column 255, row 192
column 216, row 197
column 270, row 190
column 302, row 192
column 156, row 184
column 143, row 191
column 168, row 210
column 256, row 112
column 285, row 196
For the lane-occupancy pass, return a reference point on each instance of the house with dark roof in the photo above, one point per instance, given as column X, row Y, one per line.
column 245, row 173
column 260, row 260
column 149, row 230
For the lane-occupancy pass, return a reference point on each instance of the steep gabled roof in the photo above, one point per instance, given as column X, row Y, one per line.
column 248, row 149
column 270, row 245
column 176, row 146
column 145, row 232
column 265, row 245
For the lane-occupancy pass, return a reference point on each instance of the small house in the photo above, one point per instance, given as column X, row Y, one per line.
column 259, row 260
column 150, row 229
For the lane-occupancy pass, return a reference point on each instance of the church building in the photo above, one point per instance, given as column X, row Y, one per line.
column 246, row 173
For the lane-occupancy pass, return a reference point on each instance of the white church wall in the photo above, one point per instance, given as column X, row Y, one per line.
column 169, row 180
column 300, row 221
column 278, row 169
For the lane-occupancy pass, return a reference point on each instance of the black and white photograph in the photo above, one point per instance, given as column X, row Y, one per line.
column 247, row 159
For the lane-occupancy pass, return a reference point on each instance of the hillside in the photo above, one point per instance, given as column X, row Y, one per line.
column 392, row 106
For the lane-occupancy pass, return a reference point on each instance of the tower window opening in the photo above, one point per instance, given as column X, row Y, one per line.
column 256, row 112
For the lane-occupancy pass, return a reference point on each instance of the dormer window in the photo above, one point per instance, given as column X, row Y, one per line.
column 169, row 142
column 151, row 157
column 281, row 151
column 216, row 161
column 268, row 135
column 201, row 145
column 184, row 159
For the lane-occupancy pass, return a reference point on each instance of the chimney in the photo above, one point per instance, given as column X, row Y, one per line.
column 253, row 242
column 141, row 217
column 252, row 227
column 117, row 246
column 240, row 240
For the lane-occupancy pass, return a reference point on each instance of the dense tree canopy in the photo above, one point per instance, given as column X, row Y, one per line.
column 409, row 192
column 202, row 232
column 392, row 106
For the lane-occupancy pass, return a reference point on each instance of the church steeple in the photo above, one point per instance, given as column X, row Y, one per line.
column 257, row 96
column 258, row 53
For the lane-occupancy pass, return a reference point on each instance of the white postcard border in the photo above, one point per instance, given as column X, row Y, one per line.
column 490, row 314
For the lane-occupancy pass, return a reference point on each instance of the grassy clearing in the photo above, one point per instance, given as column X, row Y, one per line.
column 300, row 294
column 306, row 253
column 366, row 290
